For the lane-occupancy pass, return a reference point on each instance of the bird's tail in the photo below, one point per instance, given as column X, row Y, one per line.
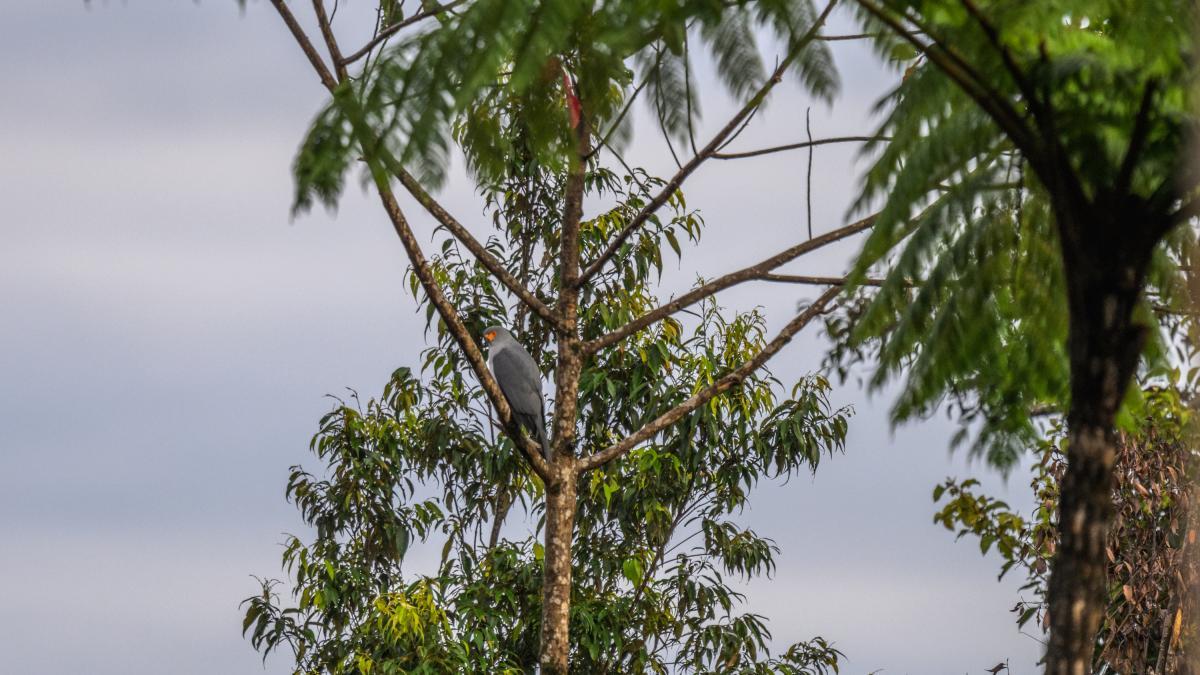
column 537, row 431
column 541, row 432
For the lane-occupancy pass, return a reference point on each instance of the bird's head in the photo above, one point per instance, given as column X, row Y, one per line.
column 493, row 333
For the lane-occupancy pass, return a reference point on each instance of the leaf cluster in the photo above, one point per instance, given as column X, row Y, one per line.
column 499, row 78
column 973, row 308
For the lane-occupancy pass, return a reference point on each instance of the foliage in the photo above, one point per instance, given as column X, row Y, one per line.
column 657, row 534
column 1152, row 564
column 502, row 77
column 973, row 308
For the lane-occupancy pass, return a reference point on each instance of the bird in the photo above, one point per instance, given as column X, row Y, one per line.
column 521, row 382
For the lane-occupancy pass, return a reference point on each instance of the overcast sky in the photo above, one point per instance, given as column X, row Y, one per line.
column 169, row 336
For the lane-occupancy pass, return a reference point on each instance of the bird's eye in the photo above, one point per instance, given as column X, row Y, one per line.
column 491, row 335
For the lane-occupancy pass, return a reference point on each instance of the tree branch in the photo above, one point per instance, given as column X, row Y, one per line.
column 335, row 52
column 1010, row 64
column 713, row 145
column 455, row 325
column 420, row 264
column 995, row 105
column 432, row 206
column 1137, row 139
column 798, row 146
column 396, row 28
column 816, row 281
column 721, row 283
column 306, row 45
column 472, row 244
column 720, row 386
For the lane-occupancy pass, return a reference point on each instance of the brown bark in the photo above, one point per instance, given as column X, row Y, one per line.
column 1105, row 263
column 556, row 568
column 561, row 487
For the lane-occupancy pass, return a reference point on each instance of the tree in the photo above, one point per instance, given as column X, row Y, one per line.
column 1041, row 146
column 1150, row 617
column 655, row 531
column 535, row 95
column 644, row 598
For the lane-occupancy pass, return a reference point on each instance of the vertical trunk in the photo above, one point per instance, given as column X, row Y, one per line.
column 556, row 580
column 1104, row 280
column 1078, row 583
column 561, row 488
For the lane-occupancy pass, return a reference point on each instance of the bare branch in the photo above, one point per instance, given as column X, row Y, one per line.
column 472, row 244
column 335, row 52
column 816, row 281
column 856, row 36
column 306, row 45
column 720, row 386
column 713, row 146
column 798, row 146
column 808, row 175
column 396, row 28
column 721, row 283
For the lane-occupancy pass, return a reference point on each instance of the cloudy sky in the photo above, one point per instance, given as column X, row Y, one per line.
column 169, row 337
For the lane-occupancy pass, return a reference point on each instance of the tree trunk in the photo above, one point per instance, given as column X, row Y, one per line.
column 556, row 580
column 1078, row 583
column 1104, row 282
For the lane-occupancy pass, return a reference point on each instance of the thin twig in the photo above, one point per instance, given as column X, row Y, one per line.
column 808, row 181
column 397, row 27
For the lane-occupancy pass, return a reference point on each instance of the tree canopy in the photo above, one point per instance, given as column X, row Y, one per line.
column 657, row 532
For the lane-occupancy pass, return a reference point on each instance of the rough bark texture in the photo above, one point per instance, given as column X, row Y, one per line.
column 556, row 579
column 560, row 488
column 1105, row 261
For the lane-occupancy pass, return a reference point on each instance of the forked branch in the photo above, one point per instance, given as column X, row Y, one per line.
column 757, row 271
column 489, row 262
column 706, row 152
column 720, row 386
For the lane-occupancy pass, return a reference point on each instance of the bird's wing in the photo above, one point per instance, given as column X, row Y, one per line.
column 519, row 379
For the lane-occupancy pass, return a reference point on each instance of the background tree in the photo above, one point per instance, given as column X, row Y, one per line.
column 532, row 93
column 1150, row 616
column 1034, row 185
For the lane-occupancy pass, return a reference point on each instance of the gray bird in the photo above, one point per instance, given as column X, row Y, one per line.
column 519, row 378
